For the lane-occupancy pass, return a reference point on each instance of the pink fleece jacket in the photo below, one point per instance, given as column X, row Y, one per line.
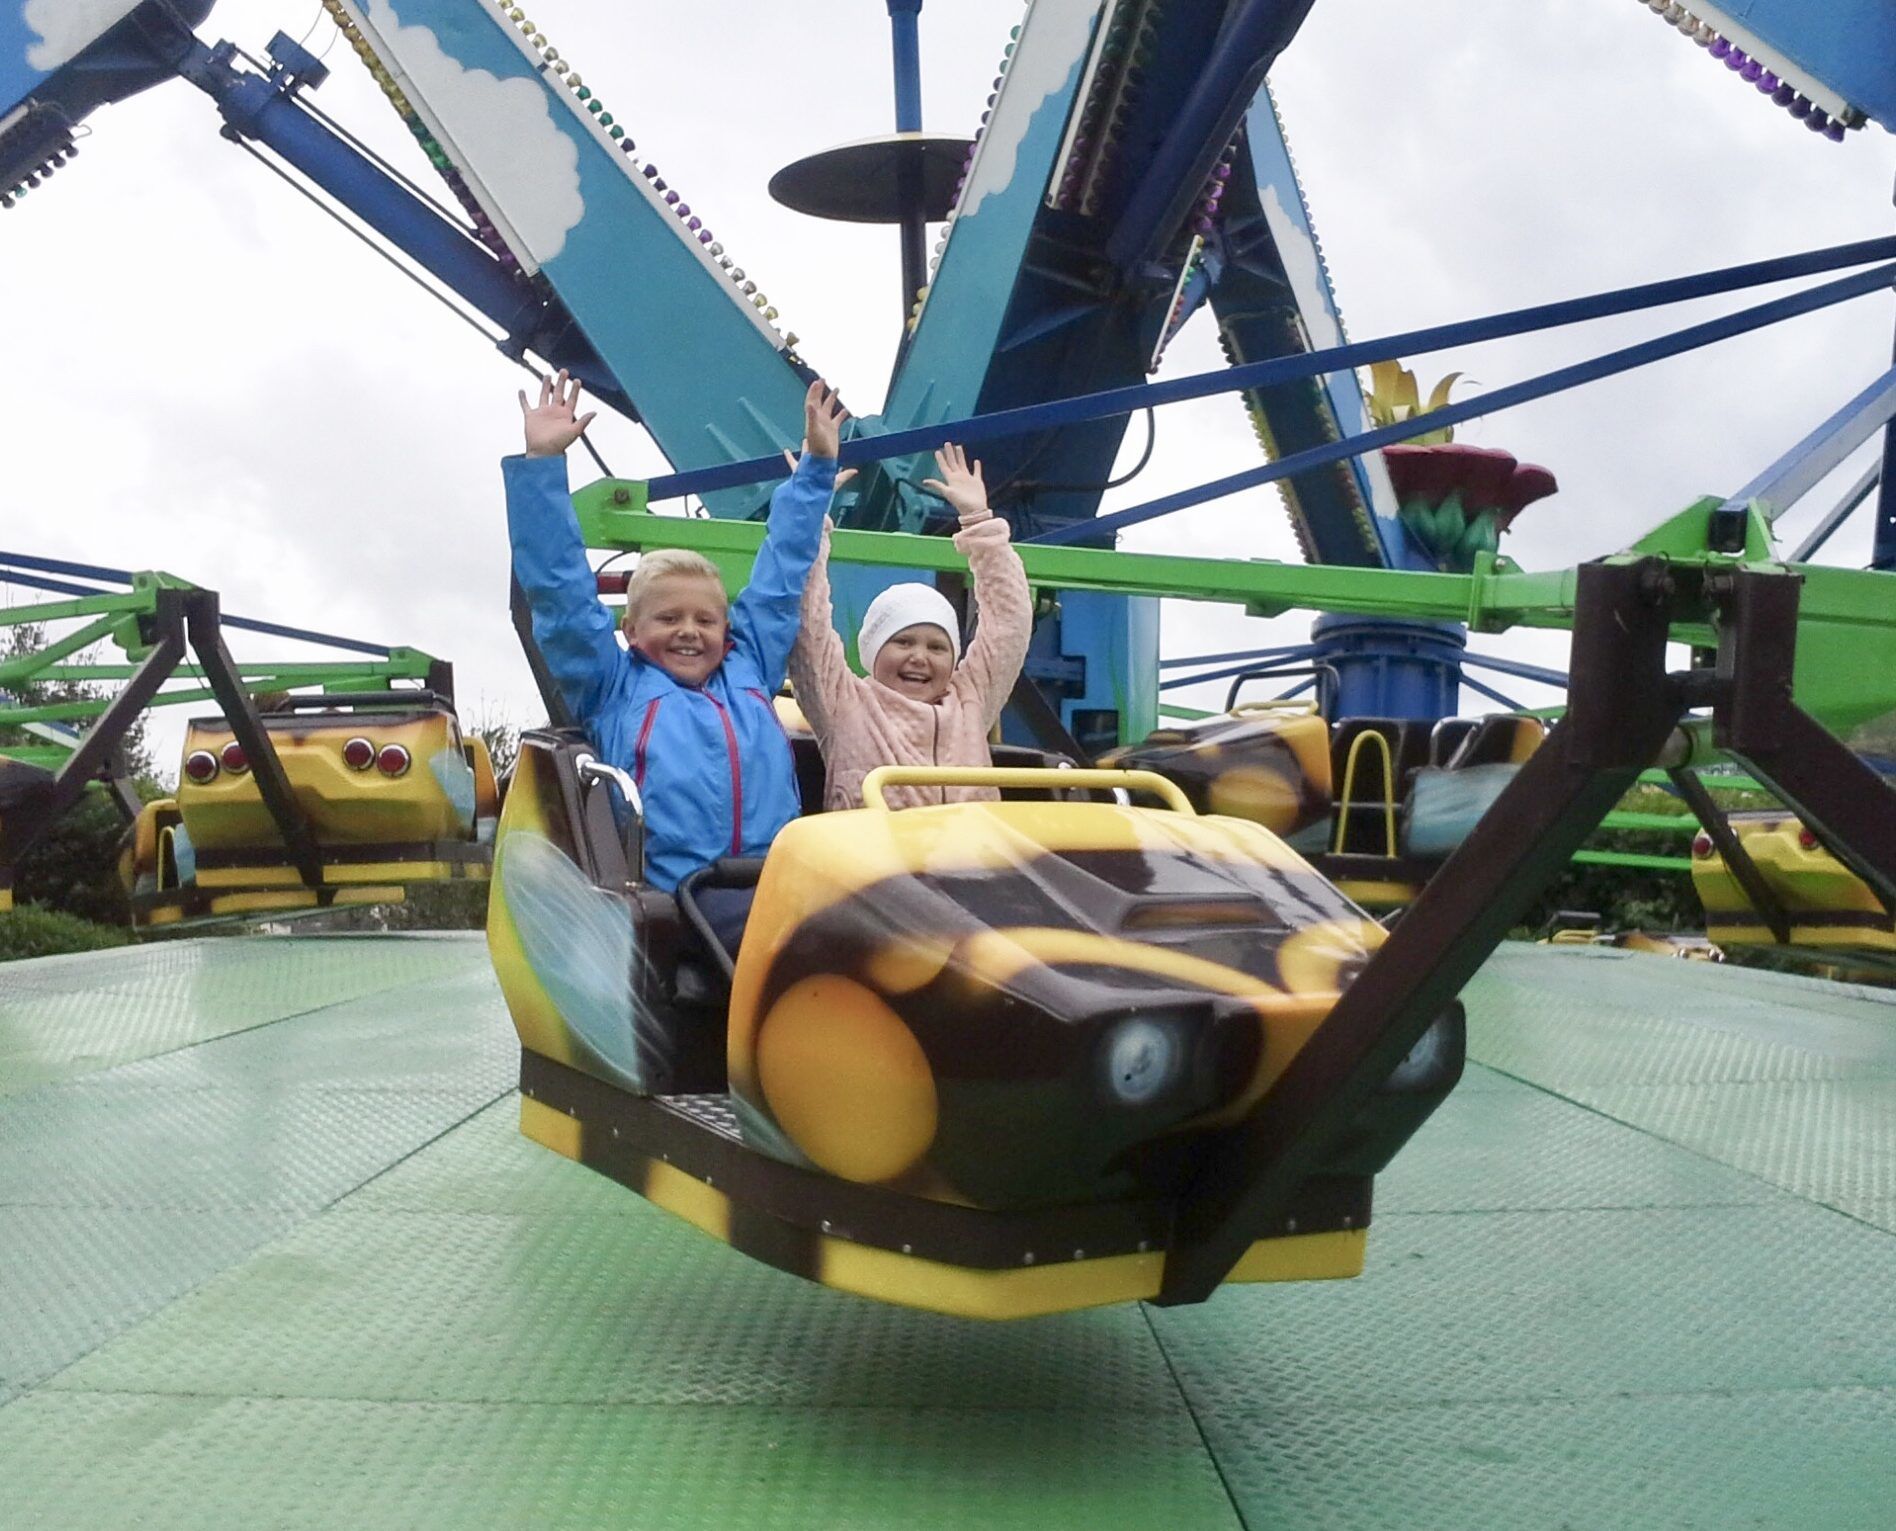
column 861, row 724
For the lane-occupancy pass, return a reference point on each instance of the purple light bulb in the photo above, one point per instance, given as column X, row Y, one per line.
column 1720, row 47
column 1752, row 71
column 1834, row 132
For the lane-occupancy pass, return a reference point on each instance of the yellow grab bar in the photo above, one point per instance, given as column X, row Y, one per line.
column 1349, row 786
column 1295, row 706
column 884, row 777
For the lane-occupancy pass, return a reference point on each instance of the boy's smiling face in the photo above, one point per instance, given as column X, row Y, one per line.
column 916, row 662
column 681, row 626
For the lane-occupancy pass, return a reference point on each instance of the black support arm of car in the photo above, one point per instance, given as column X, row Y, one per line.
column 240, row 711
column 1836, row 794
column 1622, row 709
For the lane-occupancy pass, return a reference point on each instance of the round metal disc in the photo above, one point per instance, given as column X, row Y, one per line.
column 865, row 182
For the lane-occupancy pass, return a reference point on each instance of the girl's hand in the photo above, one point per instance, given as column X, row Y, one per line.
column 823, row 416
column 841, row 478
column 959, row 485
column 551, row 428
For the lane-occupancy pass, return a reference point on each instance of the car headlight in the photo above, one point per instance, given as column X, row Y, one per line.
column 1140, row 1058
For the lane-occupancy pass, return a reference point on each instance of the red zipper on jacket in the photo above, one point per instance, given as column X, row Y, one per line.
column 645, row 732
column 753, row 691
column 737, row 776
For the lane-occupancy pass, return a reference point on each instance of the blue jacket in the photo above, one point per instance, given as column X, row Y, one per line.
column 711, row 761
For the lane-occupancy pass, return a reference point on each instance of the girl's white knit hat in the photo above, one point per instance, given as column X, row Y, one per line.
column 903, row 606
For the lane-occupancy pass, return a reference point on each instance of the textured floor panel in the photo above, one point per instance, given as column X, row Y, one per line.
column 283, row 1464
column 485, row 1165
column 1832, row 1140
column 1495, row 1150
column 1792, row 1461
column 1567, row 1320
column 616, row 1309
column 436, row 1033
column 1558, row 1305
column 1562, row 1018
column 71, row 1278
column 101, row 1143
column 60, row 1018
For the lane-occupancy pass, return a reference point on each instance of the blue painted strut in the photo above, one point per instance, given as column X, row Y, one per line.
column 256, row 108
column 1614, row 362
column 1285, row 369
column 11, row 565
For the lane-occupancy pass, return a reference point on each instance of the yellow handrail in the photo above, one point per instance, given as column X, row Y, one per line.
column 1349, row 784
column 884, row 777
column 1295, row 705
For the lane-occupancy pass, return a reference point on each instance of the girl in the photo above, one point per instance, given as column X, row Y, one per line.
column 922, row 702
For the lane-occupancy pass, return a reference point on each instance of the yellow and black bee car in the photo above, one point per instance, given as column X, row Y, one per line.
column 967, row 1054
column 1827, row 910
column 1375, row 803
column 390, row 790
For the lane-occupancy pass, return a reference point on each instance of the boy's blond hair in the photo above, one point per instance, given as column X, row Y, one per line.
column 663, row 563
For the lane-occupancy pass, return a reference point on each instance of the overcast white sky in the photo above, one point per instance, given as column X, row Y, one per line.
column 205, row 374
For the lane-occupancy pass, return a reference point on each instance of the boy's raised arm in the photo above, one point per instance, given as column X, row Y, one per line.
column 766, row 616
column 573, row 630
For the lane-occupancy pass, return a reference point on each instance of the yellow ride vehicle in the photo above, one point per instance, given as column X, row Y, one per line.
column 1376, row 803
column 968, row 1054
column 386, row 787
column 1822, row 906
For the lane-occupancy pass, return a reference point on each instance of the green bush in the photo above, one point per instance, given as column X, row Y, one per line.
column 31, row 931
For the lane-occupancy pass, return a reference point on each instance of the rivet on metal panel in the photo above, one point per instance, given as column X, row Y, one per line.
column 1028, row 1258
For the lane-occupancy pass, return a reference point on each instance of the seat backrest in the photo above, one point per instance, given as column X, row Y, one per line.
column 1504, row 738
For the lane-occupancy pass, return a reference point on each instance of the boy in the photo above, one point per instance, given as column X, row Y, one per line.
column 687, row 707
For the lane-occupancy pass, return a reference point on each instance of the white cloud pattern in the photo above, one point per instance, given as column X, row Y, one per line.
column 502, row 132
column 66, row 26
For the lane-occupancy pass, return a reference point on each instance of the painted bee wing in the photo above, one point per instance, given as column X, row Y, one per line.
column 578, row 940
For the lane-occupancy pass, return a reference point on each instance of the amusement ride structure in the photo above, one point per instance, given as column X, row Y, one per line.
column 1130, row 170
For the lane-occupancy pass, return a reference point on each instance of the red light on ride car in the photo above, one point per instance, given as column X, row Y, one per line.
column 234, row 758
column 392, row 761
column 1806, row 839
column 358, row 754
column 1701, row 845
column 200, row 765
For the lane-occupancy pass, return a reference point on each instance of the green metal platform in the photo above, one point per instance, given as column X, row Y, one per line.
column 272, row 1254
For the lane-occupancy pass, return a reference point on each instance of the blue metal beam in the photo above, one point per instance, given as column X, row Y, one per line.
column 1253, row 35
column 1516, row 668
column 12, row 566
column 1614, row 362
column 1821, row 453
column 1236, row 654
column 1839, row 513
column 1123, row 401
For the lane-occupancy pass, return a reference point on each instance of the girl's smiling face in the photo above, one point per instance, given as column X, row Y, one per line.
column 917, row 663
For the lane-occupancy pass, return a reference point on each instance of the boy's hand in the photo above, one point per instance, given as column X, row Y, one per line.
column 841, row 479
column 551, row 428
column 959, row 485
column 823, row 416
